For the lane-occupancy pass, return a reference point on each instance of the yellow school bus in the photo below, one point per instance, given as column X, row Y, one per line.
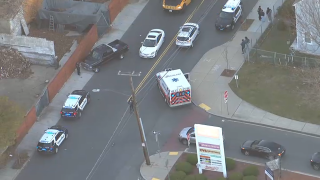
column 175, row 5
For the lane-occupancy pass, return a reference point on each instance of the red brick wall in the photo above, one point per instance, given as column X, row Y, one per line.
column 61, row 77
column 29, row 120
column 115, row 7
column 78, row 55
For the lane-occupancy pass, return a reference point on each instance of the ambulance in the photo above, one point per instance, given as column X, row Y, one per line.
column 174, row 87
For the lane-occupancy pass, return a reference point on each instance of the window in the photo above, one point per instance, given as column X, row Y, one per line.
column 158, row 38
column 149, row 43
column 237, row 10
column 307, row 37
column 226, row 15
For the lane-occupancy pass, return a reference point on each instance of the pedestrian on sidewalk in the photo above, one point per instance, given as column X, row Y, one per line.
column 78, row 68
column 269, row 11
column 263, row 19
column 259, row 12
column 243, row 45
column 247, row 41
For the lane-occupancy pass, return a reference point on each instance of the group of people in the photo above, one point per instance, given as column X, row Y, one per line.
column 262, row 14
column 244, row 43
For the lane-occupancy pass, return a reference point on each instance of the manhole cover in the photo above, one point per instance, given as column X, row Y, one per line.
column 228, row 73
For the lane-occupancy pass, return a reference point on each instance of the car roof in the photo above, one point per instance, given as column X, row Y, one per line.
column 72, row 101
column 231, row 5
column 48, row 135
column 174, row 78
column 185, row 30
column 269, row 144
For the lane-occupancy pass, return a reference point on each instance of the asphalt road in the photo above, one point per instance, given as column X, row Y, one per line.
column 299, row 147
column 81, row 156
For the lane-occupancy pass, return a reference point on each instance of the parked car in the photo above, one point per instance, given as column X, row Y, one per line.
column 183, row 135
column 262, row 148
column 187, row 34
column 52, row 139
column 315, row 161
column 104, row 53
column 75, row 104
column 152, row 43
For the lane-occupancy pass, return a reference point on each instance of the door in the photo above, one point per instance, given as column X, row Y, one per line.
column 83, row 102
column 237, row 14
column 192, row 138
column 160, row 41
column 193, row 34
column 59, row 138
column 108, row 55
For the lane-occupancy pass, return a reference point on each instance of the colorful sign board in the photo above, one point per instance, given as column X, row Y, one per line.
column 210, row 148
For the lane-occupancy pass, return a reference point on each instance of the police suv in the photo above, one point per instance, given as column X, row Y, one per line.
column 74, row 104
column 52, row 139
column 229, row 15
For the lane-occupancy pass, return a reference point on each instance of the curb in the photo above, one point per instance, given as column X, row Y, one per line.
column 259, row 124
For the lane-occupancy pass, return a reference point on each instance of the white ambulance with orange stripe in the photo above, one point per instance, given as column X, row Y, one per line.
column 174, row 87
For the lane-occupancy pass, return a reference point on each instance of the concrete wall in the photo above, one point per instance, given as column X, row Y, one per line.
column 5, row 26
column 13, row 25
column 40, row 51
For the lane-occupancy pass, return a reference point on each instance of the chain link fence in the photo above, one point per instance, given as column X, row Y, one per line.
column 259, row 55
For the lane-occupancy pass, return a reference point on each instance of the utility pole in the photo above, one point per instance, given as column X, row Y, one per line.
column 135, row 108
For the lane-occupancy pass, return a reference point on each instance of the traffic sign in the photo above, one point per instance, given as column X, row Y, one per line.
column 226, row 96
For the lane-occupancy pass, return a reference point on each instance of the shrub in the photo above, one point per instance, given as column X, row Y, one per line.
column 281, row 26
column 200, row 177
column 190, row 177
column 185, row 167
column 235, row 176
column 251, row 171
column 192, row 159
column 178, row 175
column 230, row 163
column 221, row 178
column 250, row 178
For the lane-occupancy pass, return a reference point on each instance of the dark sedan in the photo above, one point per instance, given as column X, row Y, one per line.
column 262, row 148
column 315, row 161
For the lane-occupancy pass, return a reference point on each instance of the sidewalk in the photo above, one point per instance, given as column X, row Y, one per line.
column 209, row 85
column 161, row 165
column 50, row 116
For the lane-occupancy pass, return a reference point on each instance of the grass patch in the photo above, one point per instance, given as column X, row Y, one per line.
column 277, row 41
column 277, row 90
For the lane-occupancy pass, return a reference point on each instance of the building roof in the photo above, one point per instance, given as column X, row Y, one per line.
column 174, row 79
column 231, row 5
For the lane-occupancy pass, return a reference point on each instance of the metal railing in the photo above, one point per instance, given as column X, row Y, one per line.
column 259, row 55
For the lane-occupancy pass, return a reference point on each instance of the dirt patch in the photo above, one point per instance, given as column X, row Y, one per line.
column 22, row 158
column 62, row 43
column 246, row 24
column 240, row 166
column 13, row 64
column 228, row 72
column 9, row 8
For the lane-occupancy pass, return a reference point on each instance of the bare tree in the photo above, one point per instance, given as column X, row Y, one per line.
column 308, row 21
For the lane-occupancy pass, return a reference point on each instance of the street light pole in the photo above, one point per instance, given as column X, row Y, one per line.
column 135, row 108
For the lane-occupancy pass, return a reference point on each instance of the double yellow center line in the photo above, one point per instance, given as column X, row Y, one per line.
column 164, row 52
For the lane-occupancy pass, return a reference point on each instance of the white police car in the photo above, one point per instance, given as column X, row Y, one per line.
column 187, row 35
column 75, row 104
column 229, row 15
column 52, row 139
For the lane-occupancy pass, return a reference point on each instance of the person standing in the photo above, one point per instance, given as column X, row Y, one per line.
column 78, row 68
column 269, row 11
column 262, row 16
column 259, row 12
column 243, row 45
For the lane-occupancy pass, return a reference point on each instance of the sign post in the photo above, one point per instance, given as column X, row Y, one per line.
column 188, row 138
column 226, row 100
column 236, row 77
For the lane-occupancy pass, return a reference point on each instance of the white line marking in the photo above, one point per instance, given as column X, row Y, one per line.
column 99, row 160
column 275, row 128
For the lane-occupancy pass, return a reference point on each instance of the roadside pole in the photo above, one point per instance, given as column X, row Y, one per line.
column 236, row 77
column 135, row 108
column 226, row 100
column 157, row 140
